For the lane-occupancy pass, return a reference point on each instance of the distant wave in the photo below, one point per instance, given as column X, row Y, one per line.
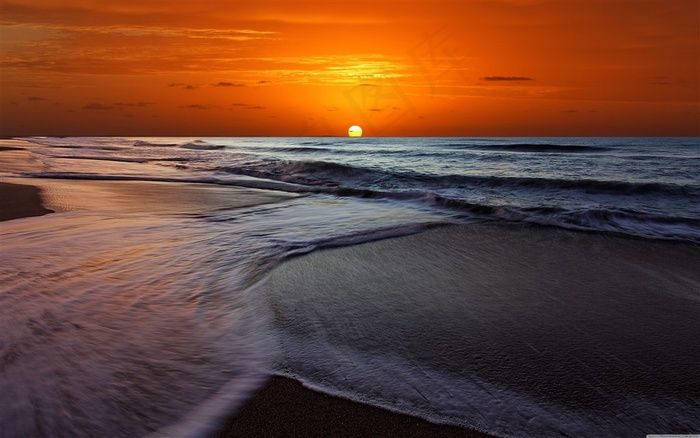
column 530, row 147
column 587, row 185
column 318, row 143
column 298, row 149
column 148, row 143
column 201, row 145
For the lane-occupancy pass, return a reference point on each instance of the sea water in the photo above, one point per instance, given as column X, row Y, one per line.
column 125, row 323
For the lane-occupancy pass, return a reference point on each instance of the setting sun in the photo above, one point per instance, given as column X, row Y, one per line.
column 355, row 131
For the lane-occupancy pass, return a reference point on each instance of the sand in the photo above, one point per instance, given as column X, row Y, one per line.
column 283, row 407
column 19, row 200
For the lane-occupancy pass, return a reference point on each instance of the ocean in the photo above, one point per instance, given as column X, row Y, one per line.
column 177, row 273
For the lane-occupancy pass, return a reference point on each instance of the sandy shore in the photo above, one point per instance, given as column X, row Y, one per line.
column 283, row 407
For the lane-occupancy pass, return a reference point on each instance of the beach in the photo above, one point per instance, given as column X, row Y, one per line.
column 283, row 407
column 142, row 303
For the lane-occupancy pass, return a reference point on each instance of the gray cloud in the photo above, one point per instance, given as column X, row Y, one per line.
column 134, row 104
column 98, row 107
column 248, row 106
column 506, row 78
column 198, row 106
column 228, row 84
column 183, row 86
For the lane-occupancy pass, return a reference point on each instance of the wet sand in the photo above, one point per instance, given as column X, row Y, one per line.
column 600, row 325
column 19, row 200
column 283, row 407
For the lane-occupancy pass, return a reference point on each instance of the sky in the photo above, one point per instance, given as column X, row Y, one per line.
column 290, row 68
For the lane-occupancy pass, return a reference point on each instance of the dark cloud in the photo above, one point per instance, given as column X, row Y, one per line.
column 367, row 85
column 263, row 82
column 248, row 106
column 228, row 84
column 98, row 107
column 377, row 110
column 569, row 111
column 134, row 104
column 506, row 78
column 198, row 106
column 183, row 86
column 36, row 99
column 332, row 108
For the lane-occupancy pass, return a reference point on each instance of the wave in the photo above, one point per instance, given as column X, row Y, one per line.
column 622, row 221
column 148, row 143
column 586, row 185
column 201, row 145
column 298, row 149
column 286, row 178
column 530, row 147
column 335, row 174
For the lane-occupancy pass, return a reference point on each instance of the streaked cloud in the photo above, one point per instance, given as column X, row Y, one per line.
column 95, row 106
column 228, row 84
column 183, row 86
column 506, row 78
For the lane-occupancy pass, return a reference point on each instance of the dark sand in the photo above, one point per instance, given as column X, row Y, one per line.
column 18, row 201
column 283, row 407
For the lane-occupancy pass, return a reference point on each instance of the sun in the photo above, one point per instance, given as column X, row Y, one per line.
column 355, row 131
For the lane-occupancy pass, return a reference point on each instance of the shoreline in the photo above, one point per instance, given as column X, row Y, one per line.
column 283, row 407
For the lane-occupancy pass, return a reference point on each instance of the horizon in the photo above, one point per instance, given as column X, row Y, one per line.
column 506, row 68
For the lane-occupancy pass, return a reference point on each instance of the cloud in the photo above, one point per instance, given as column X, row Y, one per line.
column 98, row 107
column 569, row 111
column 198, row 107
column 248, row 106
column 332, row 108
column 228, row 84
column 36, row 99
column 377, row 110
column 134, row 104
column 506, row 78
column 264, row 82
column 183, row 86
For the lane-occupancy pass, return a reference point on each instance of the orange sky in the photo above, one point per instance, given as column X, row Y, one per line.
column 230, row 68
